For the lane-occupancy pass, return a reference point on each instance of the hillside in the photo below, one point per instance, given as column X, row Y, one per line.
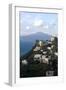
column 40, row 60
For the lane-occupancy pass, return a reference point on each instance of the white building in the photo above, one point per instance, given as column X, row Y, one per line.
column 52, row 38
column 49, row 48
column 56, row 53
column 44, row 52
column 40, row 43
column 24, row 62
column 36, row 48
column 49, row 73
column 45, row 60
column 37, row 57
column 41, row 50
column 52, row 46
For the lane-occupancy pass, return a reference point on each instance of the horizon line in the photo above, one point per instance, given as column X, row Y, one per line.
column 38, row 32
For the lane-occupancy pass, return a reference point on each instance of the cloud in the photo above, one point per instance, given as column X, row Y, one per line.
column 38, row 23
column 27, row 27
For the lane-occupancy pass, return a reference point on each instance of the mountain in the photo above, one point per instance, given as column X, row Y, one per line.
column 35, row 36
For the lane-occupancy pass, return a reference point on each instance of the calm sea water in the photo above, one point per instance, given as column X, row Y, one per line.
column 25, row 47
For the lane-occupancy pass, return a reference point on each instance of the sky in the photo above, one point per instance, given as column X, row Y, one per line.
column 33, row 22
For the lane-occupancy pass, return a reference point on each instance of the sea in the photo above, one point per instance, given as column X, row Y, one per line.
column 25, row 47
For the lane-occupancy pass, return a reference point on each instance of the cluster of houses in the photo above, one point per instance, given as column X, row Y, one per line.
column 42, row 51
column 43, row 56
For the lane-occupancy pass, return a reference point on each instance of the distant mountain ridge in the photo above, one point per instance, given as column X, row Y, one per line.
column 36, row 36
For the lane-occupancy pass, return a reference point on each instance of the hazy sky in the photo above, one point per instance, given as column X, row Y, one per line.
column 31, row 22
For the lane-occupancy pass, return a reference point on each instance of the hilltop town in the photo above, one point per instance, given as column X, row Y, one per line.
column 41, row 60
